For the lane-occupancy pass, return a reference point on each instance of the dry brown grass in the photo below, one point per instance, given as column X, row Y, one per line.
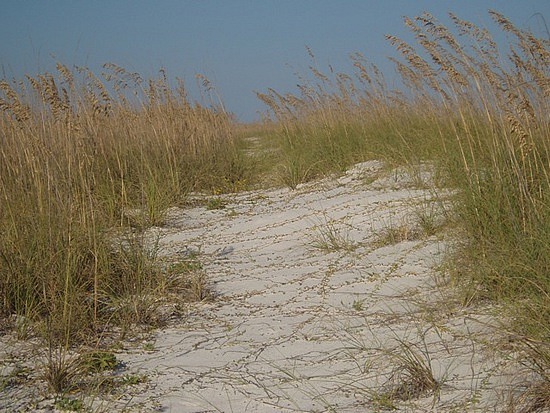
column 81, row 155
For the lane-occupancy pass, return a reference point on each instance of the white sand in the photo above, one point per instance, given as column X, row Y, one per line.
column 298, row 329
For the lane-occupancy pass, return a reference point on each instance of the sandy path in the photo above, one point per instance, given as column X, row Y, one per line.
column 298, row 328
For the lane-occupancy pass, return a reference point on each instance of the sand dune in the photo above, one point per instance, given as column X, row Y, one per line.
column 318, row 308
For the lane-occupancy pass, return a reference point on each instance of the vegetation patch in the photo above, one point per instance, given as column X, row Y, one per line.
column 329, row 238
column 69, row 404
column 480, row 116
column 215, row 203
column 85, row 159
column 98, row 361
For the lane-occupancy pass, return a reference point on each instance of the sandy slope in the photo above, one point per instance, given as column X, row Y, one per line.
column 299, row 328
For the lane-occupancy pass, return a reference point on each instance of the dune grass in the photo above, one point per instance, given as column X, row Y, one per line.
column 81, row 156
column 481, row 116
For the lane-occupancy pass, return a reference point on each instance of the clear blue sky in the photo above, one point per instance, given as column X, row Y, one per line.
column 241, row 45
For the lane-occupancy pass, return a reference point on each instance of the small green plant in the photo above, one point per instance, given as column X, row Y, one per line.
column 98, row 361
column 329, row 238
column 358, row 305
column 133, row 379
column 69, row 404
column 215, row 203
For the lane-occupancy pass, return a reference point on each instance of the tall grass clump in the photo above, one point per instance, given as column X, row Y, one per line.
column 338, row 119
column 497, row 108
column 81, row 155
column 482, row 115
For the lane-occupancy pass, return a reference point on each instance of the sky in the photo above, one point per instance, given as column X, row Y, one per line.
column 242, row 46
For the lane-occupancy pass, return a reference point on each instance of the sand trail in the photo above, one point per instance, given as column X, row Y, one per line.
column 314, row 311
